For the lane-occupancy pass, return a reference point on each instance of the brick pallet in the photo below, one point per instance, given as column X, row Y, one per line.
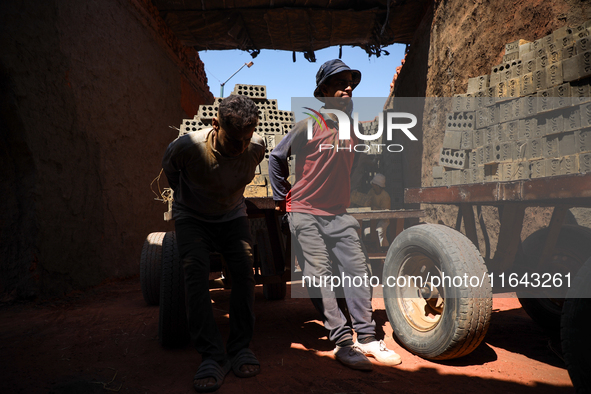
column 529, row 118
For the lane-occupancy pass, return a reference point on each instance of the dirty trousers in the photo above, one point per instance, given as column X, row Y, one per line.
column 322, row 239
column 196, row 240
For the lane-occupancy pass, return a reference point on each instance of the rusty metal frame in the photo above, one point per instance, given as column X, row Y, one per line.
column 511, row 198
column 564, row 189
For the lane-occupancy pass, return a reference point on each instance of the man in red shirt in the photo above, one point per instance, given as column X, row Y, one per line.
column 320, row 226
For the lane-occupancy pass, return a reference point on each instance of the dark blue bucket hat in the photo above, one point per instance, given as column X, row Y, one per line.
column 331, row 68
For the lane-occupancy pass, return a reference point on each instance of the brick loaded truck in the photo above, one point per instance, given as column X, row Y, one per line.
column 519, row 138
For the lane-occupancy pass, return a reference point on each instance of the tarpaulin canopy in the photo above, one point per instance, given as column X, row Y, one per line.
column 292, row 25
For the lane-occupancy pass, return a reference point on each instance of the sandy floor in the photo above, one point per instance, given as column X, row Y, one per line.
column 106, row 340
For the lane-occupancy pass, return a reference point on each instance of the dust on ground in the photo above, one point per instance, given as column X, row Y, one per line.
column 106, row 340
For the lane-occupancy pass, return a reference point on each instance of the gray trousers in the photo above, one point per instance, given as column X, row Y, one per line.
column 320, row 239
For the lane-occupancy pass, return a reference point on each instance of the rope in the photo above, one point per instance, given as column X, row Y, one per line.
column 164, row 195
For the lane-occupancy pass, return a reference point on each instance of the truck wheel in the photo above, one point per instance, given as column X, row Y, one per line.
column 151, row 267
column 433, row 320
column 572, row 249
column 576, row 344
column 173, row 328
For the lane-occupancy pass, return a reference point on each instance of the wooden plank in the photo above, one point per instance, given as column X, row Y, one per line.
column 482, row 192
column 509, row 237
column 574, row 188
column 376, row 255
column 558, row 188
column 387, row 214
column 469, row 223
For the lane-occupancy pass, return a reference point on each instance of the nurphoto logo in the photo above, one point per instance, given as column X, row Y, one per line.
column 344, row 130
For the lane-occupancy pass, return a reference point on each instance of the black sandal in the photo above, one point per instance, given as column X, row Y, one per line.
column 211, row 369
column 244, row 357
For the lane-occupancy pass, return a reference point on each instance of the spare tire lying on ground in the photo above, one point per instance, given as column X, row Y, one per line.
column 435, row 320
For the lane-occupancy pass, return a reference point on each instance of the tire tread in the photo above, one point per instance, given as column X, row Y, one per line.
column 151, row 267
column 172, row 326
column 474, row 304
column 575, row 341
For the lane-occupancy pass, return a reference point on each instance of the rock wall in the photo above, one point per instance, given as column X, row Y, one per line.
column 465, row 40
column 88, row 90
column 412, row 82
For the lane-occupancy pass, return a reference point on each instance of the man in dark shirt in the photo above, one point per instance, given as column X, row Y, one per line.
column 208, row 171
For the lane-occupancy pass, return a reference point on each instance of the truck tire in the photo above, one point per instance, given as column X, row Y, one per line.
column 576, row 344
column 151, row 268
column 450, row 321
column 572, row 249
column 173, row 328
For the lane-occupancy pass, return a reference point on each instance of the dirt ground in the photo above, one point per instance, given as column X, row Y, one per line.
column 105, row 340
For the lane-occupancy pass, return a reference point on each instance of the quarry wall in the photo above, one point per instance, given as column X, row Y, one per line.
column 465, row 40
column 88, row 92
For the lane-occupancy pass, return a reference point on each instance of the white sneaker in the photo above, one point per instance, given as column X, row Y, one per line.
column 352, row 358
column 379, row 351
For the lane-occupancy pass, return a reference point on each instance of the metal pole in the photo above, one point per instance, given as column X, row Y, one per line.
column 223, row 83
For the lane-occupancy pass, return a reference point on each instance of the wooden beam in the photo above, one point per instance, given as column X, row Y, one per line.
column 573, row 189
column 387, row 214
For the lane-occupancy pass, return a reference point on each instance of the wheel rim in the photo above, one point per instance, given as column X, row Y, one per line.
column 422, row 307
